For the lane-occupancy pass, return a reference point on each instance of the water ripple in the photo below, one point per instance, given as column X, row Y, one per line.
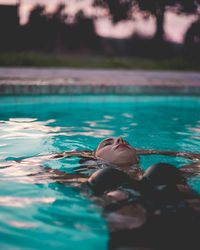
column 20, row 224
column 12, row 201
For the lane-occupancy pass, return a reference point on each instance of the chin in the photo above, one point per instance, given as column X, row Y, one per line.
column 132, row 161
column 125, row 163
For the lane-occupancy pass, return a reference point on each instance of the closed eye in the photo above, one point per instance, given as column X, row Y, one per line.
column 108, row 143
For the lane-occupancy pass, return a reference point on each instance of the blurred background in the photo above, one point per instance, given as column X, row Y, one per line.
column 101, row 33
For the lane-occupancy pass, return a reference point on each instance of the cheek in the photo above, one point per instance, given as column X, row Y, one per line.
column 104, row 153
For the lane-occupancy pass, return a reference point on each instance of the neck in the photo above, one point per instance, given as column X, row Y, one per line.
column 134, row 171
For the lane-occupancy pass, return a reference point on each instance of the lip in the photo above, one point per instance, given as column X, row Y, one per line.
column 122, row 146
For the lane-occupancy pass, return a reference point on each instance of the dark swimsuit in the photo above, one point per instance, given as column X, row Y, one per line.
column 158, row 193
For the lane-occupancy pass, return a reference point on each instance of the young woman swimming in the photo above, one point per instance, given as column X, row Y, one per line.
column 112, row 152
column 140, row 208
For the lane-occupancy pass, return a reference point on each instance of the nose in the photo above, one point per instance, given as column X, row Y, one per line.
column 120, row 140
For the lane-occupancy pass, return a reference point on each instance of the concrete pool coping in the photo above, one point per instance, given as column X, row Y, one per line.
column 37, row 81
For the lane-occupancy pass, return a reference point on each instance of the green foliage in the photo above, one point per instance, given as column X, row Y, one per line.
column 32, row 59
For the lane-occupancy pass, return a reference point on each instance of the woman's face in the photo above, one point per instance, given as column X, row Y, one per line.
column 117, row 151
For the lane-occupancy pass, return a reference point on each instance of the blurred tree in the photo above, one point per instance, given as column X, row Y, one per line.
column 37, row 16
column 192, row 40
column 85, row 33
column 46, row 31
column 58, row 28
column 55, row 31
column 125, row 9
column 37, row 28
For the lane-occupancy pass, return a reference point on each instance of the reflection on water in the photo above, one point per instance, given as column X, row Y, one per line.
column 19, row 224
column 38, row 213
column 26, row 126
column 19, row 131
column 23, row 202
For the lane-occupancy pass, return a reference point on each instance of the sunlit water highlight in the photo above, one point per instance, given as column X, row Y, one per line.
column 54, row 216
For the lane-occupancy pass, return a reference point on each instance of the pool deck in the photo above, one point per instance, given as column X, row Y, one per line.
column 23, row 81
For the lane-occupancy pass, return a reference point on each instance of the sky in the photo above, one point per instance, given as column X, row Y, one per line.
column 175, row 26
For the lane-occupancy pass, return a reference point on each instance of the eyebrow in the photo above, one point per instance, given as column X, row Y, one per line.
column 109, row 139
column 106, row 140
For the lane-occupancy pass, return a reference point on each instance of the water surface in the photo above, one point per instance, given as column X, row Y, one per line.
column 54, row 216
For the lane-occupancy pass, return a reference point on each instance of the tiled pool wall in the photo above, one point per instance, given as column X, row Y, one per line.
column 33, row 81
column 31, row 89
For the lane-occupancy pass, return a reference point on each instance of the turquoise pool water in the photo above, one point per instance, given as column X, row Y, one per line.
column 53, row 216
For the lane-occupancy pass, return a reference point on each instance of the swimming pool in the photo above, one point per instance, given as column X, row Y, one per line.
column 50, row 215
